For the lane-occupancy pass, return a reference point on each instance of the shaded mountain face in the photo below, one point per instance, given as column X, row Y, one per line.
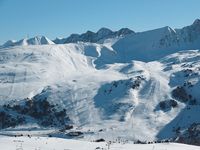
column 155, row 44
column 190, row 34
column 92, row 37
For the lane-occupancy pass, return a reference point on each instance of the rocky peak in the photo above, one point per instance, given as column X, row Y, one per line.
column 196, row 22
column 104, row 32
column 124, row 31
column 89, row 36
column 37, row 40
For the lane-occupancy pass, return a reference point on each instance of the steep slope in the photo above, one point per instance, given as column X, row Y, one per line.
column 146, row 46
column 23, row 66
column 155, row 44
column 118, row 95
column 189, row 35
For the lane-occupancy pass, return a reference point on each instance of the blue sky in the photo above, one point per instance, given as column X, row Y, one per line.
column 60, row 18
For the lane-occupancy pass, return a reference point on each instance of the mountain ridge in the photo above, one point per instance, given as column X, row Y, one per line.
column 89, row 36
column 160, row 42
column 37, row 40
column 104, row 34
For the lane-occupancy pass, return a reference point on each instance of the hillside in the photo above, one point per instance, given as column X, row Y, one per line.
column 142, row 87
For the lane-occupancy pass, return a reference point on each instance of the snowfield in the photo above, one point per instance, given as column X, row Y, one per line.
column 45, row 143
column 117, row 88
column 107, row 97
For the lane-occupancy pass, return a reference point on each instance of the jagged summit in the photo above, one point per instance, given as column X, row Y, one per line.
column 196, row 26
column 89, row 36
column 169, row 29
column 196, row 22
column 37, row 40
column 124, row 31
column 103, row 32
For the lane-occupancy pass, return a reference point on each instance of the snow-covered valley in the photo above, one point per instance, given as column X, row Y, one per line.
column 45, row 143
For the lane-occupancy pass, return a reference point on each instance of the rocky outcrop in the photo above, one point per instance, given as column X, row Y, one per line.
column 44, row 113
column 180, row 94
column 9, row 120
column 167, row 104
column 191, row 135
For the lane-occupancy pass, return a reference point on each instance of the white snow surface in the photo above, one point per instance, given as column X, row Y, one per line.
column 113, row 88
column 45, row 143
column 155, row 44
column 38, row 40
column 97, row 93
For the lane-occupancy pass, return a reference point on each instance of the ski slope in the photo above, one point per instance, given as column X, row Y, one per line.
column 121, row 88
column 108, row 97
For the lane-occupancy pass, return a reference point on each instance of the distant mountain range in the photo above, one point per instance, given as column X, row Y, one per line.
column 38, row 40
column 97, row 37
column 89, row 36
column 166, row 37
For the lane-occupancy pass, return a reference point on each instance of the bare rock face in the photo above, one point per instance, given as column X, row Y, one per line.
column 93, row 37
column 44, row 113
column 180, row 94
column 168, row 104
column 8, row 120
column 191, row 135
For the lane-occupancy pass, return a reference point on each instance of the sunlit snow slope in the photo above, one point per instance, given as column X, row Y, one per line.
column 127, row 90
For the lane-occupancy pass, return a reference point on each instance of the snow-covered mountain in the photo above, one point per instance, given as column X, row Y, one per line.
column 144, row 86
column 38, row 40
column 155, row 44
column 100, row 36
